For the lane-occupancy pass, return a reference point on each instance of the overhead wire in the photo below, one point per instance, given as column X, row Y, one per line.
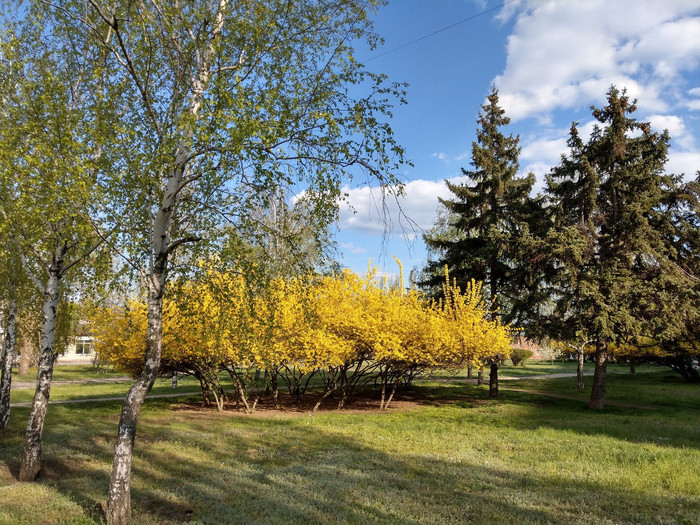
column 424, row 37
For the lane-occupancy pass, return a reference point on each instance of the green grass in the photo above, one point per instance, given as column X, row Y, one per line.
column 535, row 367
column 61, row 392
column 70, row 373
column 670, row 391
column 451, row 457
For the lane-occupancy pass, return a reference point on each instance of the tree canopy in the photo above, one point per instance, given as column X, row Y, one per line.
column 615, row 237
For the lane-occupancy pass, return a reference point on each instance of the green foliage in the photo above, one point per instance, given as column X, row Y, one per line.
column 483, row 231
column 518, row 356
column 621, row 245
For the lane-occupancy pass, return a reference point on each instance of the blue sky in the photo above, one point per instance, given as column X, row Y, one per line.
column 551, row 60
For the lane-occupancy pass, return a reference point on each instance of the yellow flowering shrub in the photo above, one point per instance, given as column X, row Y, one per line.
column 345, row 327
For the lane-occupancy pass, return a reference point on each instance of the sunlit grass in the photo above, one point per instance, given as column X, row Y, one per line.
column 60, row 392
column 451, row 457
column 71, row 373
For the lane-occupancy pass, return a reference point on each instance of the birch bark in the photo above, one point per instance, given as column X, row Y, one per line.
column 31, row 456
column 119, row 495
column 7, row 360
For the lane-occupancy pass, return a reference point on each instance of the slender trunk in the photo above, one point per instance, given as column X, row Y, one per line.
column 119, row 496
column 391, row 395
column 480, row 376
column 241, row 391
column 25, row 358
column 633, row 367
column 601, row 363
column 493, row 380
column 469, row 371
column 579, row 369
column 275, row 388
column 326, row 394
column 330, row 383
column 7, row 360
column 384, row 380
column 31, row 456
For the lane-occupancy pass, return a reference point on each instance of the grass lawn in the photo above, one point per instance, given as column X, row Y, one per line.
column 445, row 455
column 61, row 392
column 70, row 373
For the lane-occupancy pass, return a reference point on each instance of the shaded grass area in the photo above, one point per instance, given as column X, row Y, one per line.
column 651, row 385
column 452, row 456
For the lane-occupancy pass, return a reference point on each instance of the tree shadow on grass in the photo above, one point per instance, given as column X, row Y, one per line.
column 673, row 427
column 204, row 467
column 283, row 474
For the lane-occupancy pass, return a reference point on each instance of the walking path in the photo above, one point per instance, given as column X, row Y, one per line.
column 509, row 378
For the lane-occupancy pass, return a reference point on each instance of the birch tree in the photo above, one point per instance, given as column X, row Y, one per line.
column 8, row 347
column 223, row 99
column 48, row 181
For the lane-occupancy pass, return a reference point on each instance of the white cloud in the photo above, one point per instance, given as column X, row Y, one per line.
column 440, row 156
column 352, row 248
column 687, row 162
column 544, row 149
column 676, row 128
column 565, row 54
column 407, row 215
column 693, row 103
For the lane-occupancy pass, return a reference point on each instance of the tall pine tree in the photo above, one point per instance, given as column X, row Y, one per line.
column 488, row 222
column 615, row 262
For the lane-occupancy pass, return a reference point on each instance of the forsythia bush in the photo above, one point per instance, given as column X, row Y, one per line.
column 346, row 329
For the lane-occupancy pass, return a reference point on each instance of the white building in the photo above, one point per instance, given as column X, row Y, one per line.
column 80, row 351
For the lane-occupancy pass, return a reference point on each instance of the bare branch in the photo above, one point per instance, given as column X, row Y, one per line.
column 174, row 245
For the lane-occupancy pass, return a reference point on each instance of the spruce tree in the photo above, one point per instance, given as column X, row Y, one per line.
column 487, row 222
column 614, row 259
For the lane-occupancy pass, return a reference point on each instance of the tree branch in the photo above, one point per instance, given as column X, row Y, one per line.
column 175, row 244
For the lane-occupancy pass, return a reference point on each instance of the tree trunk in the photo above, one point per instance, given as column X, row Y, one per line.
column 601, row 364
column 480, row 376
column 383, row 390
column 633, row 367
column 391, row 395
column 579, row 369
column 469, row 371
column 493, row 381
column 26, row 358
column 119, row 496
column 31, row 456
column 7, row 360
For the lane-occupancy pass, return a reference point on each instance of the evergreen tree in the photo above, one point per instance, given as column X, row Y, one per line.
column 613, row 258
column 488, row 222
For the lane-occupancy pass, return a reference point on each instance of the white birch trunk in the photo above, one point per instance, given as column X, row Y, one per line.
column 119, row 496
column 7, row 360
column 31, row 457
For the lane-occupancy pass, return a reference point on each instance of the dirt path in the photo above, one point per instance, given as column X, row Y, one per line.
column 509, row 378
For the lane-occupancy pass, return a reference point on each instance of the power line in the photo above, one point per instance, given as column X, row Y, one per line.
column 424, row 37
